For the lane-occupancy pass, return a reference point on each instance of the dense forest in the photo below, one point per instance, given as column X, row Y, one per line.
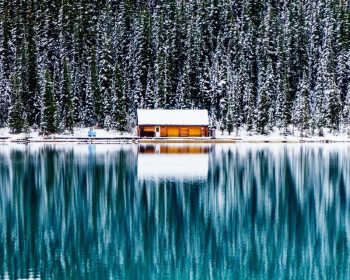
column 254, row 64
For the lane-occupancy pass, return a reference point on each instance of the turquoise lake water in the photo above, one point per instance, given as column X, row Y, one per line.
column 245, row 211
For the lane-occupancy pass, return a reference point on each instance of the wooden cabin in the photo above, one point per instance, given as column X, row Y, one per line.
column 173, row 123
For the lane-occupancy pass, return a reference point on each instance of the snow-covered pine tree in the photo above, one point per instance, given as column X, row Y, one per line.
column 5, row 92
column 172, row 54
column 148, row 101
column 266, row 92
column 346, row 112
column 235, row 101
column 89, row 110
column 67, row 108
column 48, row 122
column 77, row 91
column 301, row 107
column 160, row 67
column 218, row 79
column 204, row 86
column 184, row 88
column 95, row 88
column 319, row 118
column 7, row 41
column 33, row 110
column 245, row 66
column 230, row 122
column 137, row 70
column 106, row 67
column 120, row 104
column 283, row 57
column 331, row 92
column 16, row 120
column 222, row 122
column 262, row 109
column 333, row 106
column 342, row 73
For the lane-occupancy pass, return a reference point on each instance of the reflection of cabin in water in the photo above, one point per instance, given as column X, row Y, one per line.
column 168, row 162
column 173, row 123
column 173, row 149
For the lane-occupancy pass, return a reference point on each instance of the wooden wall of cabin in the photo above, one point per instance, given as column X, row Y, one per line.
column 174, row 131
column 146, row 131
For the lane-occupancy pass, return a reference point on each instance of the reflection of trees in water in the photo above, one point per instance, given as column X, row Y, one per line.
column 264, row 212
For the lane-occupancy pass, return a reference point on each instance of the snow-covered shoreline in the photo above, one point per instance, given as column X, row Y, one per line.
column 107, row 136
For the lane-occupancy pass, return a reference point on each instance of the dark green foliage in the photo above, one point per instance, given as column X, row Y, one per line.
column 16, row 119
column 301, row 109
column 120, row 102
column 48, row 114
column 242, row 60
column 67, row 99
column 95, row 88
column 5, row 92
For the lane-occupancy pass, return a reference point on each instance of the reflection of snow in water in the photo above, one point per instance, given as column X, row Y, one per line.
column 176, row 166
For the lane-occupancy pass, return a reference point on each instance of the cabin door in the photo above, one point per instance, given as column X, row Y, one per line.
column 157, row 131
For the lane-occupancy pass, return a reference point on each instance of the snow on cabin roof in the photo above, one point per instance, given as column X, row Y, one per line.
column 172, row 117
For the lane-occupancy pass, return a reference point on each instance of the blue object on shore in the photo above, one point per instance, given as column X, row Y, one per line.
column 92, row 133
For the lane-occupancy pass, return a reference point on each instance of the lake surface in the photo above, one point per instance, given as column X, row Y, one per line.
column 245, row 211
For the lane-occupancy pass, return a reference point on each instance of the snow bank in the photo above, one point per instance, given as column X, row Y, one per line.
column 276, row 135
column 78, row 132
column 242, row 135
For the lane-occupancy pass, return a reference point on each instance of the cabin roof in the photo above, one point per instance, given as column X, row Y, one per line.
column 172, row 117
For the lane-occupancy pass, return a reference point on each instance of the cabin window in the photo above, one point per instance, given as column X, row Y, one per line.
column 157, row 129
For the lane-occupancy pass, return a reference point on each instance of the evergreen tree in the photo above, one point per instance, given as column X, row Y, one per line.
column 67, row 116
column 149, row 98
column 248, row 62
column 230, row 116
column 346, row 112
column 89, row 112
column 48, row 122
column 16, row 118
column 264, row 105
column 106, row 70
column 301, row 108
column 5, row 92
column 119, row 102
column 32, row 108
column 333, row 113
column 95, row 88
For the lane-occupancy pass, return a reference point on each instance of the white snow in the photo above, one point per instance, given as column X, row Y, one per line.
column 173, row 117
column 78, row 132
column 100, row 133
column 241, row 136
column 277, row 136
column 222, row 83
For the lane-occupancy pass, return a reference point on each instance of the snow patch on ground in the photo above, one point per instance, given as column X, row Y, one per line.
column 276, row 135
column 242, row 135
column 78, row 133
